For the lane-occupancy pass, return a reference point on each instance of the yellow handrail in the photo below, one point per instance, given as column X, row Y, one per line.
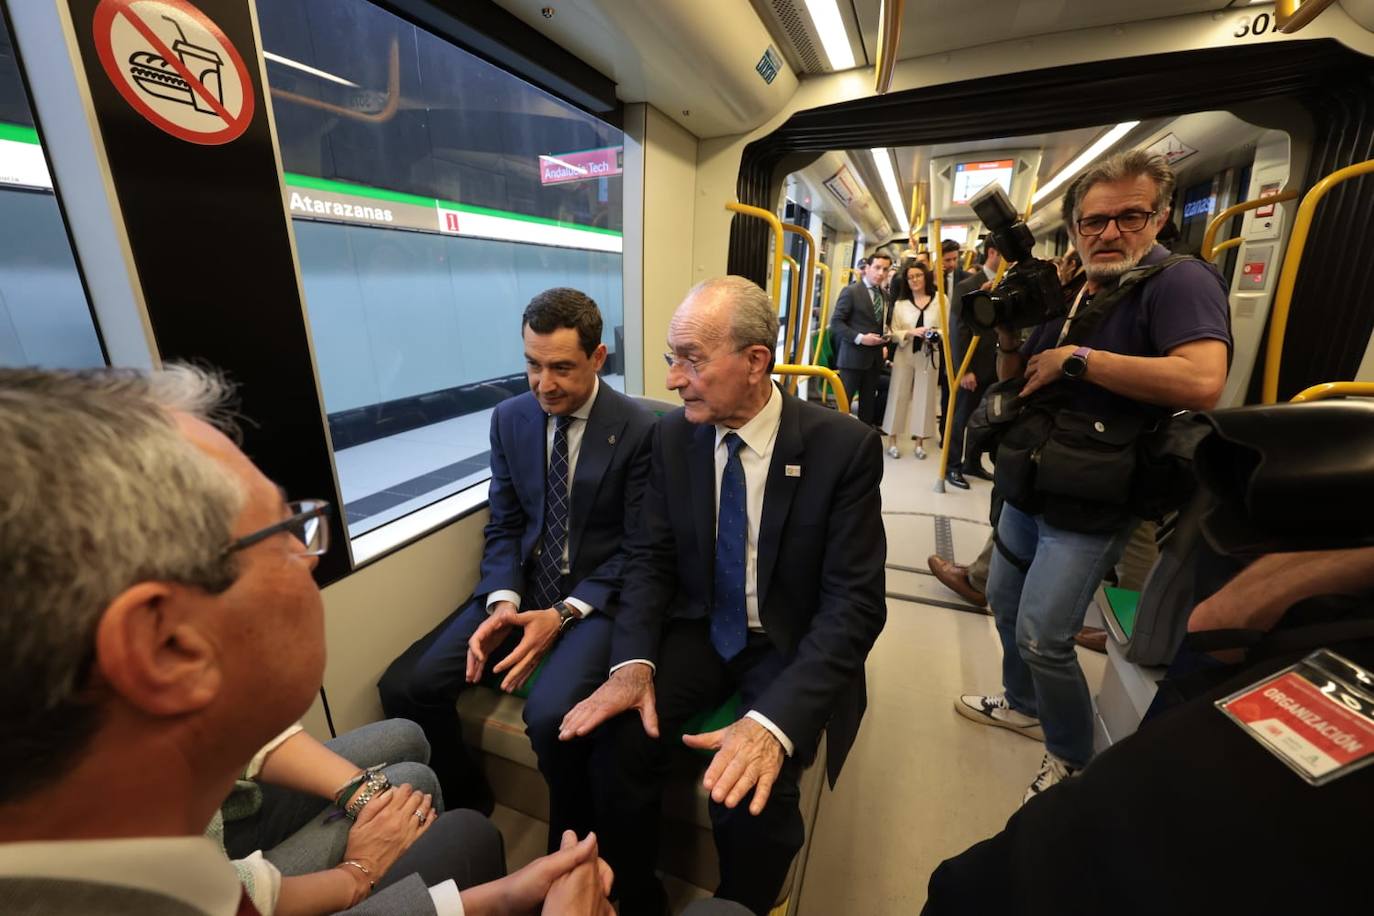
column 889, row 35
column 1227, row 245
column 1335, row 390
column 1292, row 15
column 841, row 399
column 823, row 326
column 794, row 339
column 792, row 307
column 1302, row 226
column 1209, row 253
column 776, row 225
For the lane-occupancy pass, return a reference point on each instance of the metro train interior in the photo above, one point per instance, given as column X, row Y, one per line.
column 438, row 163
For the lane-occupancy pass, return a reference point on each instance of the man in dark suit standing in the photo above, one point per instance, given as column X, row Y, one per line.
column 981, row 372
column 758, row 567
column 568, row 462
column 860, row 314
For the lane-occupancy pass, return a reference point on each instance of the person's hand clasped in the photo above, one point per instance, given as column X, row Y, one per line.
column 748, row 756
column 969, row 382
column 488, row 636
column 387, row 826
column 582, row 890
column 630, row 687
column 1045, row 368
column 541, row 632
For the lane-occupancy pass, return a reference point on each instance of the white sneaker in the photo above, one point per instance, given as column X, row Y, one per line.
column 920, row 452
column 1052, row 771
column 892, row 450
column 994, row 710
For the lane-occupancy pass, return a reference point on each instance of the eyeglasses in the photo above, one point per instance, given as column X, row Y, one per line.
column 306, row 524
column 693, row 366
column 1130, row 221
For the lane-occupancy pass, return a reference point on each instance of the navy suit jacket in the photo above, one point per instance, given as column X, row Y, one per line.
column 854, row 316
column 606, row 488
column 821, row 578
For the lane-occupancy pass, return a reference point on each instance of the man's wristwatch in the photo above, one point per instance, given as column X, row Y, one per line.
column 1077, row 363
column 567, row 615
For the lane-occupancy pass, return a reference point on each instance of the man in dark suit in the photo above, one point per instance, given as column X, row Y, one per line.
column 758, row 567
column 568, row 462
column 858, row 325
column 981, row 372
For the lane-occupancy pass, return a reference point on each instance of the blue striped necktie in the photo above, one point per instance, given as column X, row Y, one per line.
column 548, row 565
column 729, row 621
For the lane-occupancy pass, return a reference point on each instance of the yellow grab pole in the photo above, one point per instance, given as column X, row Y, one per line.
column 1209, row 253
column 841, row 398
column 1292, row 15
column 1283, row 299
column 889, row 36
column 801, row 328
column 795, row 284
column 776, row 225
column 1335, row 390
column 823, row 327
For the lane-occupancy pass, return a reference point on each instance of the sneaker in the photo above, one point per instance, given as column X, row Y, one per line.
column 892, row 450
column 1052, row 771
column 994, row 710
column 920, row 453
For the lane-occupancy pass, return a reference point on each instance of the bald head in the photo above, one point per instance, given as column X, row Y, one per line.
column 723, row 336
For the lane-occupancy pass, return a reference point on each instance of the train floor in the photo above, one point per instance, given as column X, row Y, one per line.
column 922, row 783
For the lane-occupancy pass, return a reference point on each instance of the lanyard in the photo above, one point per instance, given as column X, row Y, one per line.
column 1064, row 331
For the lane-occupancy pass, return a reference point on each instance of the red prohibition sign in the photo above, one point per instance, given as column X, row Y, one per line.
column 193, row 86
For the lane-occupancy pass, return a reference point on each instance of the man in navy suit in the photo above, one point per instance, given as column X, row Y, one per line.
column 757, row 568
column 568, row 464
column 858, row 324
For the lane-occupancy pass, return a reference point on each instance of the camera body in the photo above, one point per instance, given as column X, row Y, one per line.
column 1029, row 293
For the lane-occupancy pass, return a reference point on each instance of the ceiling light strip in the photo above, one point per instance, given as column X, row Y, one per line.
column 882, row 161
column 829, row 25
column 306, row 68
column 1084, row 159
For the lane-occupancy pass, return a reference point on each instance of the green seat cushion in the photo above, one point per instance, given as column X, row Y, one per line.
column 1122, row 602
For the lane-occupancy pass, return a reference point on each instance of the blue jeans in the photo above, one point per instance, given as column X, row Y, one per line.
column 1038, row 612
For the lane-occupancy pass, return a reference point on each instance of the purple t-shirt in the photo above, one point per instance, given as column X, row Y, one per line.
column 1183, row 303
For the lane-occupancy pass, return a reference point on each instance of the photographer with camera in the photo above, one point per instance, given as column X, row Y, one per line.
column 1147, row 336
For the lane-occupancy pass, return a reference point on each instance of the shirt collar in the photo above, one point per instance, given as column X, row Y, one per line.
column 585, row 410
column 760, row 430
column 989, row 272
column 191, row 869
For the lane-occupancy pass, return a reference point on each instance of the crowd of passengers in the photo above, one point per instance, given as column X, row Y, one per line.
column 161, row 632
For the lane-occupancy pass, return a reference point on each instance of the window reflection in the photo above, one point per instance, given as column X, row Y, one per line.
column 45, row 319
column 432, row 195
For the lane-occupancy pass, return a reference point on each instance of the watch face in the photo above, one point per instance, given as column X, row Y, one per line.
column 1074, row 366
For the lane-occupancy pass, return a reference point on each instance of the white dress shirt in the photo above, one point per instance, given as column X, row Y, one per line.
column 755, row 456
column 576, row 429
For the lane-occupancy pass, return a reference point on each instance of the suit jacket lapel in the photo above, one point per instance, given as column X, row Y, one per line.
column 604, row 428
column 530, row 464
column 788, row 449
column 701, row 470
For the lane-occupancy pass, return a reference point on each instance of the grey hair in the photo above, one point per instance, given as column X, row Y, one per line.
column 1123, row 167
column 753, row 317
column 101, row 491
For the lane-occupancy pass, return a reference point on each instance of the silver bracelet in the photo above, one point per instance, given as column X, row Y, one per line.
column 376, row 784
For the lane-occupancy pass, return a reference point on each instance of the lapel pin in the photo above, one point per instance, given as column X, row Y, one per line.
column 792, row 470
column 611, row 440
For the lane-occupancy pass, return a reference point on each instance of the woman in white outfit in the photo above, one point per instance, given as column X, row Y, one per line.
column 915, row 381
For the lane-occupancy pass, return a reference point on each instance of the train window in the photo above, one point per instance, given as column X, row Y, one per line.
column 432, row 194
column 45, row 318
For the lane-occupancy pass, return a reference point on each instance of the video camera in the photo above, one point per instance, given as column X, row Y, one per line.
column 1029, row 293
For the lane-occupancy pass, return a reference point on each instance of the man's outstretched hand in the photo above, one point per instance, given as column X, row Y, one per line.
column 630, row 687
column 748, row 756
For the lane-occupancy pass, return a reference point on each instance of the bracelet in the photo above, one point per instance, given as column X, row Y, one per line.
column 367, row 876
column 346, row 791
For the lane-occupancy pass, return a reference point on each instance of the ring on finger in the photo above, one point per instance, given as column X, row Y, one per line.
column 421, row 816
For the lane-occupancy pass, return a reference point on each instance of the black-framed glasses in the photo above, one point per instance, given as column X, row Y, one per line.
column 307, row 524
column 1130, row 221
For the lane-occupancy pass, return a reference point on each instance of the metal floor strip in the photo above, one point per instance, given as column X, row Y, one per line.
column 910, row 569
column 944, row 538
column 936, row 602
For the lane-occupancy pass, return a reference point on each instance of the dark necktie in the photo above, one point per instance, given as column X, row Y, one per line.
column 729, row 620
column 548, row 565
column 877, row 304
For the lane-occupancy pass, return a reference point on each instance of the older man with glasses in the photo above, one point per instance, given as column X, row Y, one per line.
column 1122, row 360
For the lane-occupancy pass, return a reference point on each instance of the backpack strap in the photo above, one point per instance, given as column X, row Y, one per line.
column 1101, row 306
